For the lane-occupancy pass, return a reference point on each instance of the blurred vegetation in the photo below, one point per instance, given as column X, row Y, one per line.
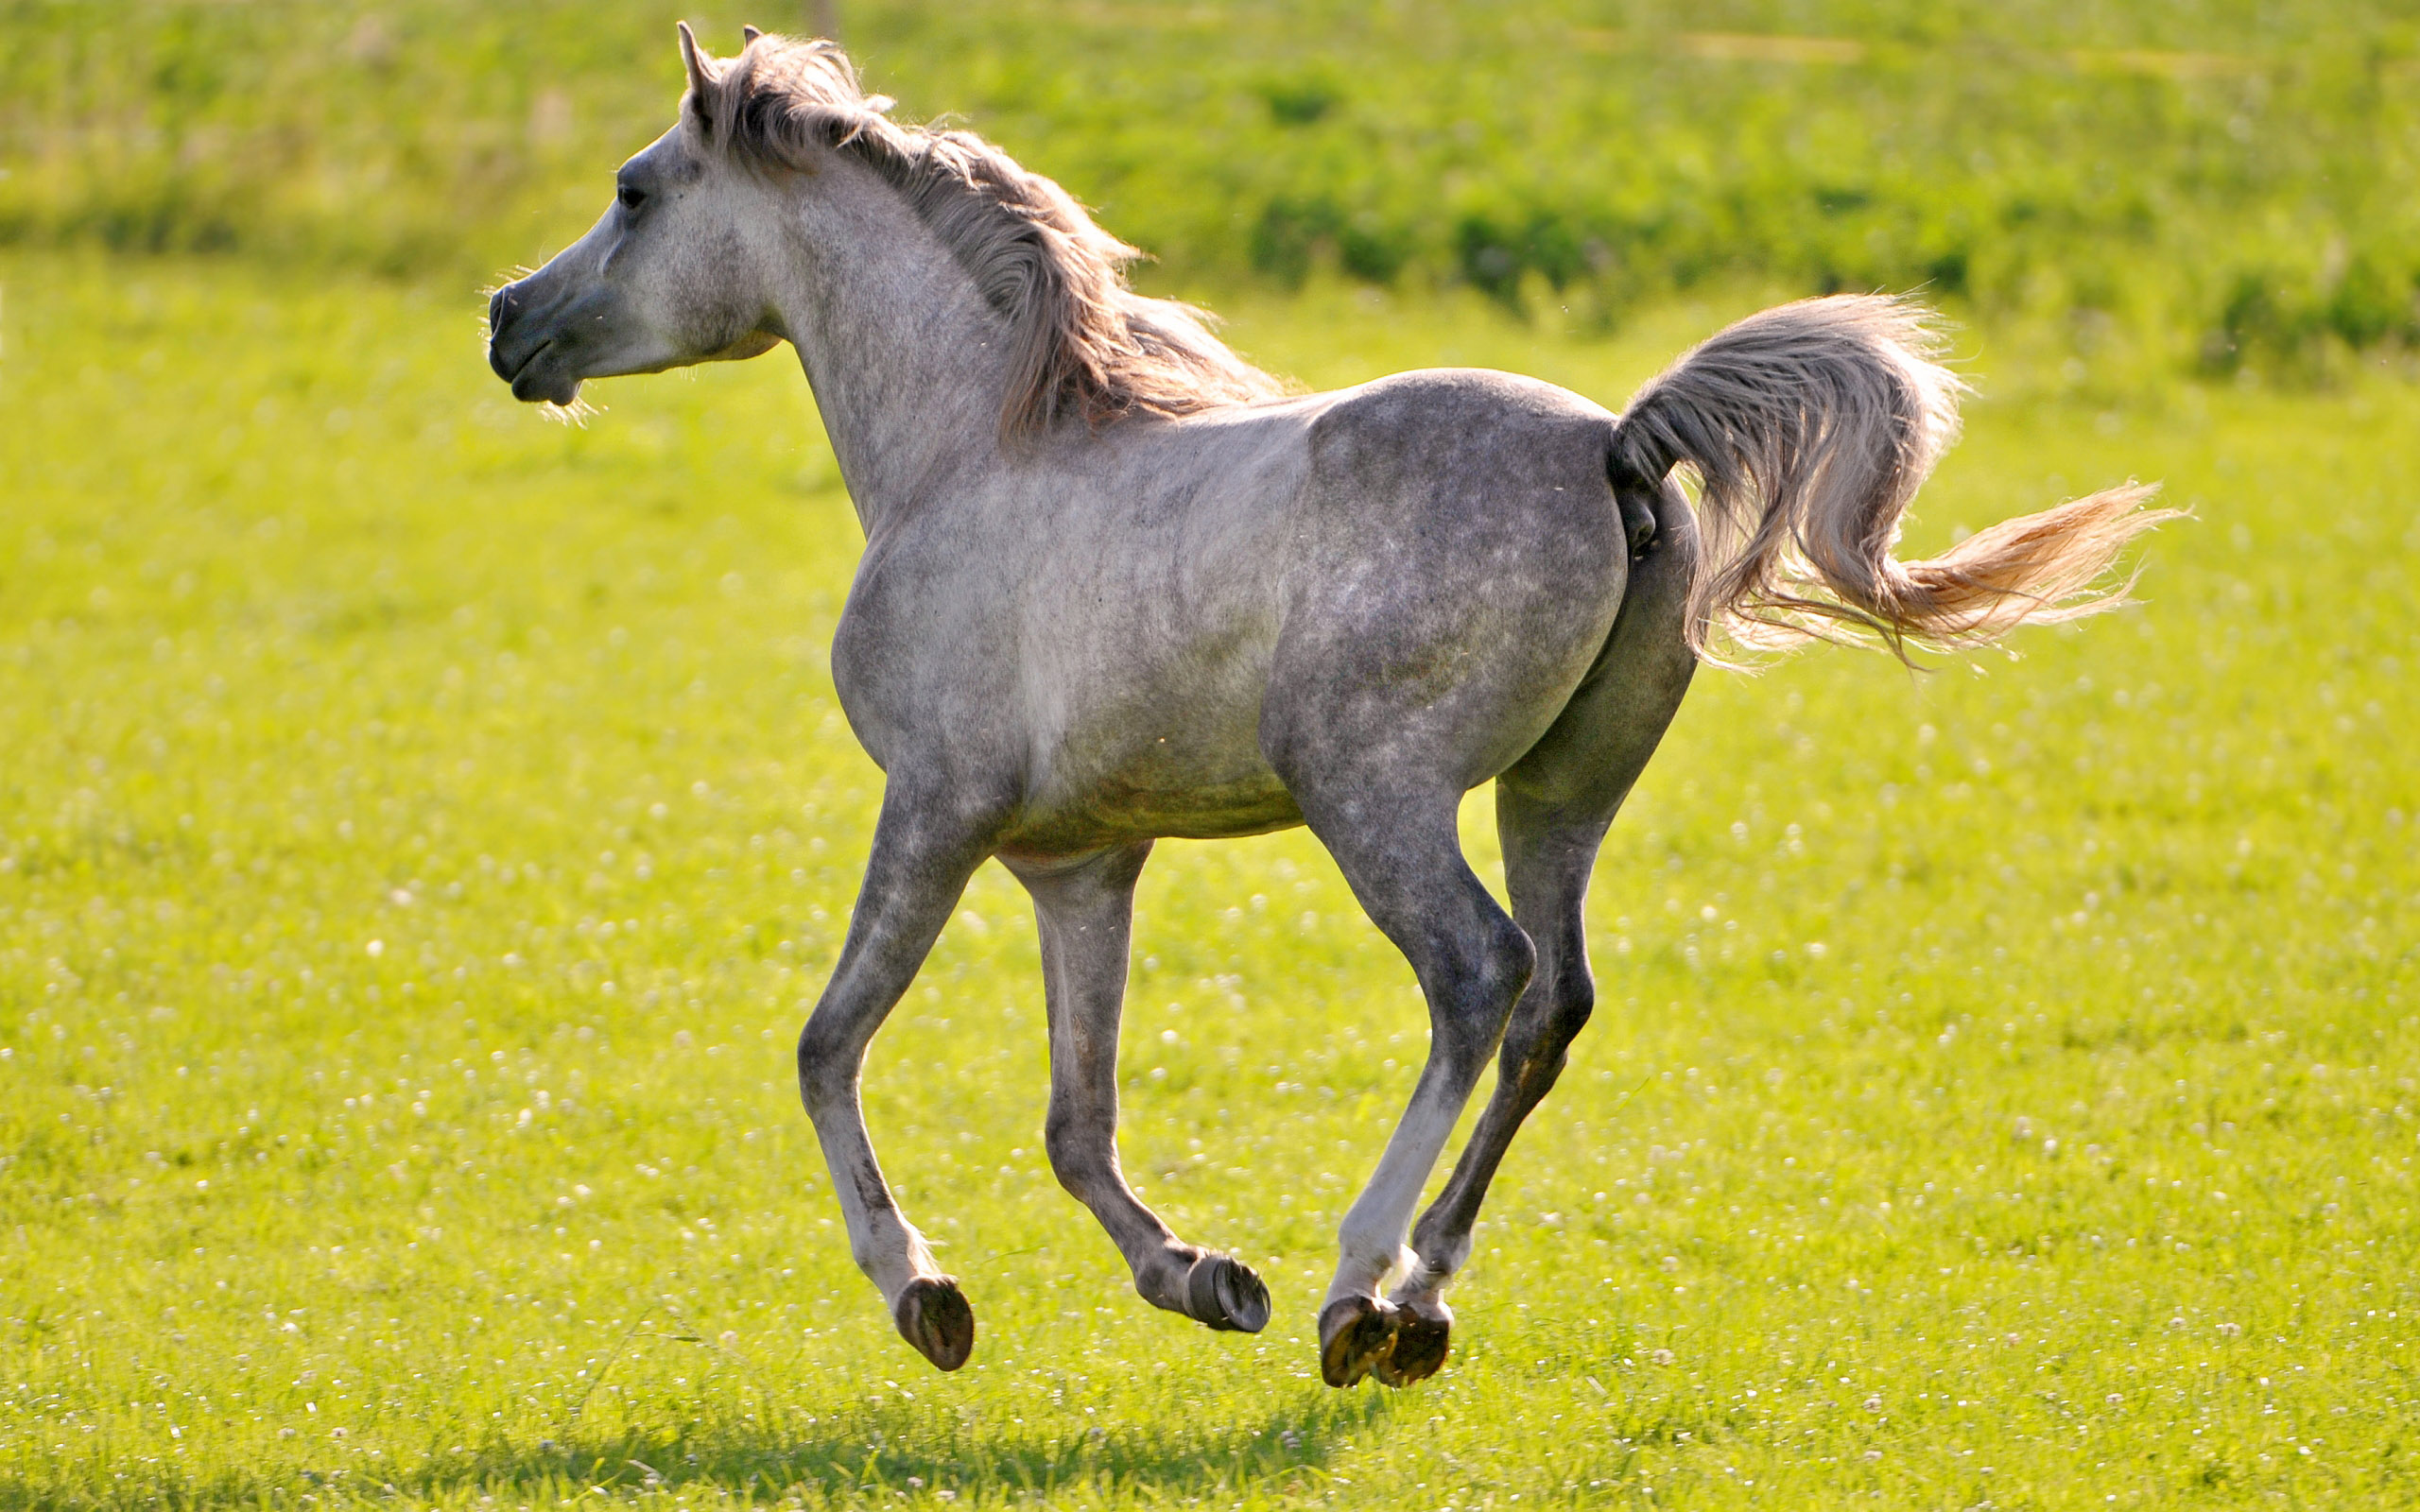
column 2213, row 183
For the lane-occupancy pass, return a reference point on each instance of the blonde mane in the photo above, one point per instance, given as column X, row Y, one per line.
column 1084, row 345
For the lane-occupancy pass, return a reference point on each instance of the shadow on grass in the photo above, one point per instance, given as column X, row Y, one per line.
column 873, row 1453
column 979, row 1454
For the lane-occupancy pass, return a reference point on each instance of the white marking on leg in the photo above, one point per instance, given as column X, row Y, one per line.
column 885, row 1245
column 1372, row 1240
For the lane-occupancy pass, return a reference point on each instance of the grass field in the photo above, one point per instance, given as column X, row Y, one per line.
column 423, row 826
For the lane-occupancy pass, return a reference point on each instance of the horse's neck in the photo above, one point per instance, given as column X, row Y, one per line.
column 908, row 369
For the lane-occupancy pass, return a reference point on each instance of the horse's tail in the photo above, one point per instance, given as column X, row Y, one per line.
column 1809, row 427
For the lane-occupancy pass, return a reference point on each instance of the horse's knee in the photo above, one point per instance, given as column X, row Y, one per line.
column 827, row 1065
column 1083, row 1153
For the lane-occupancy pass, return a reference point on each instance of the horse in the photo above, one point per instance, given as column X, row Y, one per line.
column 1118, row 584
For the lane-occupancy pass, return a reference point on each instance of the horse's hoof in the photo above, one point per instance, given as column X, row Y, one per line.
column 1356, row 1336
column 1222, row 1292
column 1424, row 1336
column 933, row 1315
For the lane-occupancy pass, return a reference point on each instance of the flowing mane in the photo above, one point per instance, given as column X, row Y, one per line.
column 1085, row 346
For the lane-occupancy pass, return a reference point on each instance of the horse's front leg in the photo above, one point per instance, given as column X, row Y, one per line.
column 924, row 849
column 1086, row 911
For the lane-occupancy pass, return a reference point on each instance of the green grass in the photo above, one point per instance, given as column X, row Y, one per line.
column 423, row 826
column 2198, row 183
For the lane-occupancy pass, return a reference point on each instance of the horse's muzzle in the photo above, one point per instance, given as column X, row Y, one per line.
column 509, row 350
column 518, row 352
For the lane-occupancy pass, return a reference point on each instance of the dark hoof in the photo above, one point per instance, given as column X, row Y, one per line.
column 1424, row 1336
column 1356, row 1336
column 1222, row 1292
column 933, row 1315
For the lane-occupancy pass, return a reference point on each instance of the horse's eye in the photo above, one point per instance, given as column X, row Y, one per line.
column 630, row 197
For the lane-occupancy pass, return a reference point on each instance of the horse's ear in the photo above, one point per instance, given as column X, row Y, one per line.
column 748, row 34
column 702, row 82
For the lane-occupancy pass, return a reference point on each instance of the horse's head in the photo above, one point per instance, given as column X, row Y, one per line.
column 675, row 272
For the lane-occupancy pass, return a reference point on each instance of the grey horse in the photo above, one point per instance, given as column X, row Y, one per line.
column 1119, row 585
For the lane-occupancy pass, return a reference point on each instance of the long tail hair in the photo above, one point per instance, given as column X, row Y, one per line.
column 1809, row 427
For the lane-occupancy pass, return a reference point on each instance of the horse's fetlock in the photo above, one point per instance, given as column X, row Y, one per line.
column 1374, row 1241
column 1445, row 1259
column 1159, row 1278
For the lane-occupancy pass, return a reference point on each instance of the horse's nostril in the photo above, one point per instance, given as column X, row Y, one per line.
column 506, row 352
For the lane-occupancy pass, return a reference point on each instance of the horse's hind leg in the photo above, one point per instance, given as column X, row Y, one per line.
column 1403, row 856
column 1553, row 808
column 1086, row 911
column 924, row 852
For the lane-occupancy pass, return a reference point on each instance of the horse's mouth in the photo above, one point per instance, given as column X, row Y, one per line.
column 532, row 384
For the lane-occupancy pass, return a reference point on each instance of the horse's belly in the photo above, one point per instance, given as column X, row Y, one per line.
column 1166, row 787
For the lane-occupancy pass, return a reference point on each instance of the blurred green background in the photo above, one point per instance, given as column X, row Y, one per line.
column 2211, row 183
